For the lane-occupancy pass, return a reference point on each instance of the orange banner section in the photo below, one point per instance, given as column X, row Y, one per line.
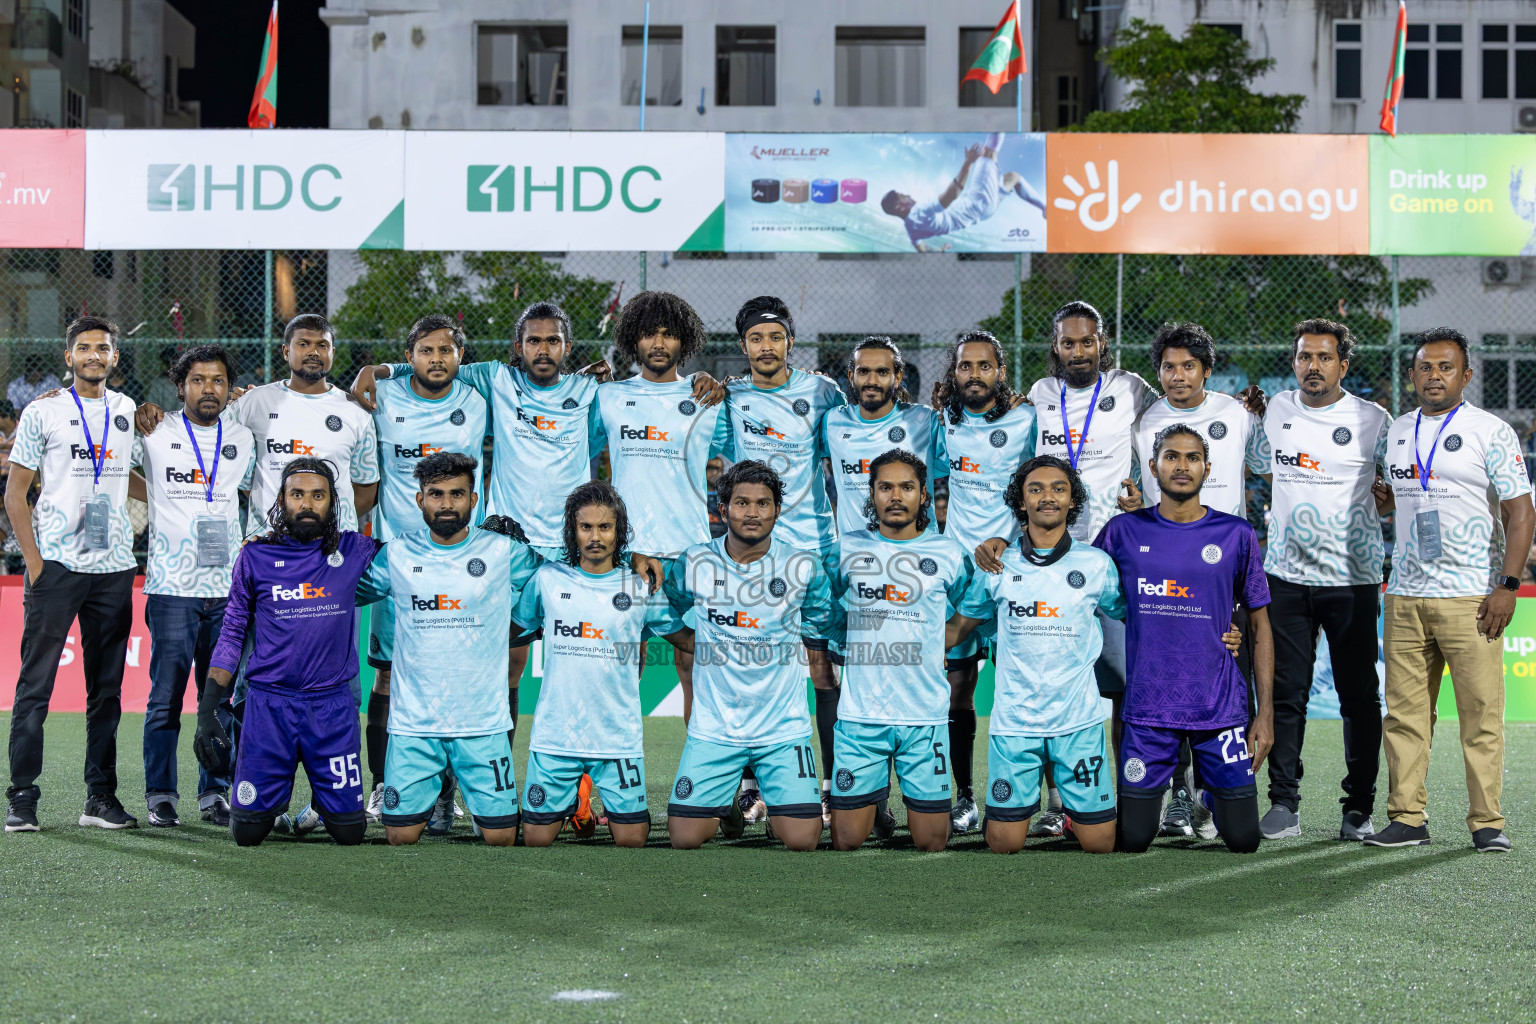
column 1235, row 194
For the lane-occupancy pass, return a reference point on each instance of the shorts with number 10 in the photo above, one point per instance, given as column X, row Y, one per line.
column 1149, row 755
column 280, row 729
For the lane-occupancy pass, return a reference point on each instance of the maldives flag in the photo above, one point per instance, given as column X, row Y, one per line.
column 1002, row 59
column 1395, row 74
column 264, row 102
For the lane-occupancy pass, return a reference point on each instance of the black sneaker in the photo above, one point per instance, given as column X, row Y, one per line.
column 735, row 823
column 107, row 812
column 1490, row 840
column 217, row 812
column 22, row 816
column 1398, row 834
column 885, row 821
column 162, row 814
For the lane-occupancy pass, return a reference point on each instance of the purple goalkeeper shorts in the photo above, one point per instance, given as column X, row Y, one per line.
column 1149, row 756
column 284, row 727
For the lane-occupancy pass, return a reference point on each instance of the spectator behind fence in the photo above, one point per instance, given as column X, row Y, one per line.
column 34, row 380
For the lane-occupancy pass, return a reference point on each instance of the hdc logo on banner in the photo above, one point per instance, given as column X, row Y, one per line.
column 174, row 187
column 42, row 189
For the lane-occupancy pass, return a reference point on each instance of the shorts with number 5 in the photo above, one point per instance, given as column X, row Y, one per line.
column 1149, row 755
column 413, row 777
column 549, row 792
column 709, row 773
column 282, row 728
column 1084, row 774
column 862, row 756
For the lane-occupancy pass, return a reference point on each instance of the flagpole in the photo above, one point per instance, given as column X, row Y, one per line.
column 1018, row 86
column 645, row 59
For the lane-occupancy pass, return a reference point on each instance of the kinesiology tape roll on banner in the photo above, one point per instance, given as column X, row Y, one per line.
column 796, row 190
column 765, row 190
column 824, row 190
column 855, row 190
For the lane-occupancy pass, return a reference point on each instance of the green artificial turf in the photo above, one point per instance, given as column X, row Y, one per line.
column 179, row 924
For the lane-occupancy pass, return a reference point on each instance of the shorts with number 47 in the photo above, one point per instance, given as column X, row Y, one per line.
column 1149, row 755
column 1084, row 774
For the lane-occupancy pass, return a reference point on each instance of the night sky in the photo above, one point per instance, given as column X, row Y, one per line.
column 229, row 38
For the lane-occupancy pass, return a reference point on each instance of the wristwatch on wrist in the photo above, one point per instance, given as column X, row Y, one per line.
column 1511, row 583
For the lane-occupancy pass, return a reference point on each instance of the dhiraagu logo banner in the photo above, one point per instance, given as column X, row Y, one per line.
column 546, row 191
column 1472, row 195
column 264, row 189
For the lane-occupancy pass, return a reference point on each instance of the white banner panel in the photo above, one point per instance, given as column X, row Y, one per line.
column 552, row 191
column 268, row 189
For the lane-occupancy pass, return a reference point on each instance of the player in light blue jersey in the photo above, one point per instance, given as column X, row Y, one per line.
column 899, row 582
column 988, row 433
column 757, row 602
column 776, row 415
column 454, row 586
column 594, row 614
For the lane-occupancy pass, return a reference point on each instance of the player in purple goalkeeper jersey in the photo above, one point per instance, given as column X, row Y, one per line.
column 1183, row 567
column 294, row 592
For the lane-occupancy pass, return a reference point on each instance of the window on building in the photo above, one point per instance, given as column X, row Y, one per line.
column 168, row 86
column 880, row 67
column 1432, row 70
column 663, row 71
column 974, row 94
column 1447, row 62
column 74, row 18
column 745, row 66
column 1346, row 60
column 1068, row 109
column 1508, row 371
column 74, row 109
column 1416, row 63
column 1509, row 58
column 1226, row 26
column 521, row 65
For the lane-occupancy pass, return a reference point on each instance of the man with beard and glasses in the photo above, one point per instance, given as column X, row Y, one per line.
column 776, row 417
column 988, row 433
column 194, row 469
column 294, row 594
column 453, row 586
column 899, row 582
column 78, row 549
column 416, row 415
column 1183, row 567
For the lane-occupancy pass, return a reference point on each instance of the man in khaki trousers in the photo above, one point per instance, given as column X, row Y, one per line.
column 1464, row 521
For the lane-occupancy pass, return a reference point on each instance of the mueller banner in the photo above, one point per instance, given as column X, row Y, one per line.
column 1472, row 195
column 1238, row 194
column 545, row 191
column 244, row 189
column 960, row 192
column 42, row 189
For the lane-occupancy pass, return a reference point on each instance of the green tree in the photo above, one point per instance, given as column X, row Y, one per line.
column 1200, row 83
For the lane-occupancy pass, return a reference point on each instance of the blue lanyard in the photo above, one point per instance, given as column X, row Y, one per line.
column 1066, row 428
column 1425, row 464
column 218, row 446
column 97, row 464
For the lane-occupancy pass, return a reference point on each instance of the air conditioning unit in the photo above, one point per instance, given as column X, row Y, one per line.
column 1525, row 119
column 1501, row 270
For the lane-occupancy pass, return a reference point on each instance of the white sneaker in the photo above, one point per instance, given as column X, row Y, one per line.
column 375, row 809
column 307, row 821
column 753, row 809
column 441, row 822
column 1048, row 823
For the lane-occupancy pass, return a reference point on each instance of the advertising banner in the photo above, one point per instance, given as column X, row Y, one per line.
column 265, row 189
column 1236, row 194
column 969, row 192
column 42, row 189
column 545, row 191
column 1466, row 195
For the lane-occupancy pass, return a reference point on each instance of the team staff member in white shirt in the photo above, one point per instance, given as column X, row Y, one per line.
column 78, row 549
column 1324, row 563
column 192, row 471
column 1464, row 521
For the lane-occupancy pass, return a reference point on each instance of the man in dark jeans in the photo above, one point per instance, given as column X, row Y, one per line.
column 78, row 552
column 1324, row 565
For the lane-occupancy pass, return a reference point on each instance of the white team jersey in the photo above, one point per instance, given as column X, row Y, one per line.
column 1106, row 455
column 179, row 494
column 853, row 442
column 897, row 597
column 1324, row 529
column 660, row 440
column 594, row 626
column 1236, row 439
column 453, row 612
column 50, row 439
column 410, row 428
column 983, row 457
column 1476, row 464
column 288, row 424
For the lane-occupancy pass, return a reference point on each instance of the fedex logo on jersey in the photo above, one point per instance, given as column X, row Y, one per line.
column 1035, row 610
column 1298, row 460
column 580, row 630
column 740, row 620
column 643, row 434
column 302, row 592
column 1408, row 473
column 1075, row 436
column 421, row 451
column 191, row 476
column 436, row 603
column 862, row 466
column 883, row 592
column 964, row 465
column 1161, row 588
column 90, row 453
column 763, row 431
column 536, row 421
column 292, row 447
